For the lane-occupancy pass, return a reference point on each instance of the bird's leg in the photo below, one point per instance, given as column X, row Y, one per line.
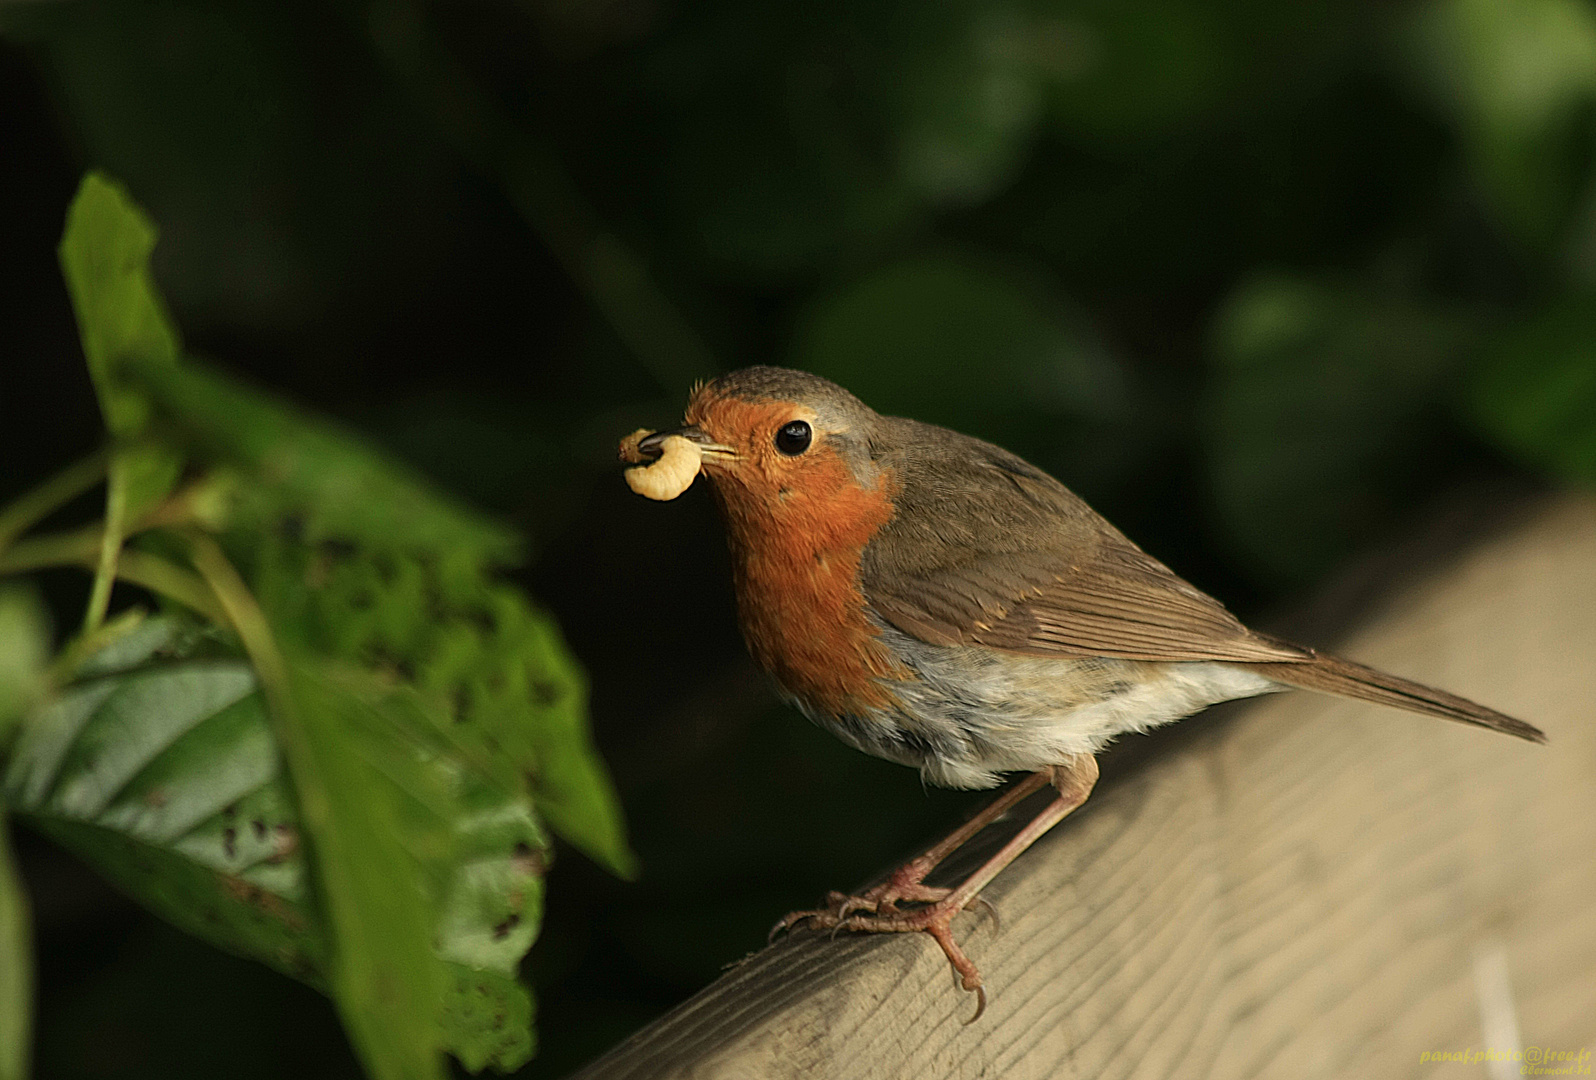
column 907, row 882
column 1074, row 783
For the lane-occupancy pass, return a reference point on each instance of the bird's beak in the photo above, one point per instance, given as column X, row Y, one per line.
column 711, row 449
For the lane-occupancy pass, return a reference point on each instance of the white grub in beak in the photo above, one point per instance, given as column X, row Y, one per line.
column 667, row 476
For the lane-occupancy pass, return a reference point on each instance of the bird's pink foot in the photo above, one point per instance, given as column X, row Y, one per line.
column 876, row 911
column 840, row 907
column 907, row 884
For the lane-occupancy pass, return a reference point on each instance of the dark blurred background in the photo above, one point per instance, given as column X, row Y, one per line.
column 1262, row 281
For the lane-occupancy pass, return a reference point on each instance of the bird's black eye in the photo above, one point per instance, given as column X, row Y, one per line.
column 793, row 437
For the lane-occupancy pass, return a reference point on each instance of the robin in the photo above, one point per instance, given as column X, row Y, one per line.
column 935, row 600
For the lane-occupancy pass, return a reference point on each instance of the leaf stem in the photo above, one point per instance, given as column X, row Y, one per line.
column 240, row 611
column 160, row 576
column 67, row 661
column 110, row 544
column 82, row 547
column 79, row 547
column 28, row 510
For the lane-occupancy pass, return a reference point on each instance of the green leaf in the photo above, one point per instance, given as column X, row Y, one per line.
column 491, row 912
column 161, row 770
column 491, row 1018
column 105, row 257
column 494, row 678
column 488, row 896
column 529, row 696
column 16, row 973
column 1325, row 402
column 350, row 557
column 330, row 481
column 166, row 778
column 361, row 799
column 1534, row 391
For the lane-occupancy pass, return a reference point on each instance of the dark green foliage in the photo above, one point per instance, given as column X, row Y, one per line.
column 942, row 318
column 345, row 778
column 1327, row 399
column 1515, row 79
column 1535, row 390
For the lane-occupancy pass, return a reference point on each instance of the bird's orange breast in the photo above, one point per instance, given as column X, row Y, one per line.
column 796, row 548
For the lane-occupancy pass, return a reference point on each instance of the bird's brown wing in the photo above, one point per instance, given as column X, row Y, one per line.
column 986, row 549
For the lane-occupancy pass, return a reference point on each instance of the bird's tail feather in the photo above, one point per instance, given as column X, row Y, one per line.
column 1333, row 675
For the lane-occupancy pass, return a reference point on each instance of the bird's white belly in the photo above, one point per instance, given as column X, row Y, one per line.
column 973, row 713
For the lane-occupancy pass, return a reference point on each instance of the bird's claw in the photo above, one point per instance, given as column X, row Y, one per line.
column 841, row 908
column 980, row 1005
column 876, row 912
column 787, row 922
column 992, row 913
